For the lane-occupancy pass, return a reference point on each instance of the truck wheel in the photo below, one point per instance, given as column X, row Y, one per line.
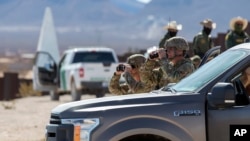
column 54, row 96
column 75, row 94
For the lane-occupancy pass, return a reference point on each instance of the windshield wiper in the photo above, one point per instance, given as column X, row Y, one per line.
column 170, row 89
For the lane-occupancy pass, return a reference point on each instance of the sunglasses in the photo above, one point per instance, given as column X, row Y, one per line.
column 239, row 24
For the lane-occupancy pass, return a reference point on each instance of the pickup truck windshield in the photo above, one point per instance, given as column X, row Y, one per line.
column 93, row 57
column 210, row 71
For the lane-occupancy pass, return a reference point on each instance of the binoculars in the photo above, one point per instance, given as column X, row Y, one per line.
column 156, row 55
column 121, row 67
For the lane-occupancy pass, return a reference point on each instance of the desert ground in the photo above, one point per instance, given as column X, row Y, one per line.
column 25, row 119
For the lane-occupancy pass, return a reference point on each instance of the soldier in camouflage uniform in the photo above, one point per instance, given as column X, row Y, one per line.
column 202, row 42
column 174, row 65
column 237, row 35
column 130, row 72
column 173, row 29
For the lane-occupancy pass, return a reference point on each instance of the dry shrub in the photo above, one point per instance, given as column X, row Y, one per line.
column 26, row 89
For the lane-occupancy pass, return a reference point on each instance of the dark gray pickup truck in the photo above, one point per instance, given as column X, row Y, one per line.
column 202, row 107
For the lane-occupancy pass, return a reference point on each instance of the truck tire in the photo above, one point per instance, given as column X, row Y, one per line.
column 54, row 96
column 75, row 94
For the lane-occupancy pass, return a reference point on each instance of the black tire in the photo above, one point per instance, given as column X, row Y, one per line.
column 75, row 94
column 54, row 96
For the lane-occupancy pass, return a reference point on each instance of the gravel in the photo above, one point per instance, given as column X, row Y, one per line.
column 25, row 119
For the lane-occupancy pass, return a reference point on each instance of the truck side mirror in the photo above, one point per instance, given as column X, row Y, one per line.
column 222, row 95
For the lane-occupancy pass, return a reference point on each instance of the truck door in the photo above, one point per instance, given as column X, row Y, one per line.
column 47, row 56
column 220, row 119
column 210, row 54
column 44, row 72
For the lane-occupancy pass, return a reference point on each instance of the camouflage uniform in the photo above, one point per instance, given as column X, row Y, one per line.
column 175, row 73
column 130, row 86
column 202, row 43
column 151, row 73
column 164, row 39
column 167, row 72
column 233, row 38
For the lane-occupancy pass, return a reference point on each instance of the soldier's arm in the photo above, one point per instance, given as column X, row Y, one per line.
column 147, row 74
column 179, row 73
column 161, row 44
column 195, row 45
column 115, row 87
column 228, row 41
column 166, row 67
column 143, row 88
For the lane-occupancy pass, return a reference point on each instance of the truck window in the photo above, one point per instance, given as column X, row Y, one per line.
column 42, row 59
column 245, row 78
column 242, row 86
column 93, row 57
column 210, row 71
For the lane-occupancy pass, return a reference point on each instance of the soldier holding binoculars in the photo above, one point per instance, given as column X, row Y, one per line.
column 168, row 64
column 130, row 72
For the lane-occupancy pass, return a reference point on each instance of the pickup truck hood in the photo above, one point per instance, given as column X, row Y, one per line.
column 94, row 107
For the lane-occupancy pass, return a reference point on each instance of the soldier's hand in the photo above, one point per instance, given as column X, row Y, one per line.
column 123, row 68
column 118, row 72
column 153, row 55
column 128, row 68
column 120, row 69
column 162, row 53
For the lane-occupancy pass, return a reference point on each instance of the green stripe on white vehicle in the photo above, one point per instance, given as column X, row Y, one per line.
column 63, row 79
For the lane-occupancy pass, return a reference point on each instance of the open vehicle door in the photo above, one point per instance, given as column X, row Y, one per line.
column 210, row 54
column 47, row 56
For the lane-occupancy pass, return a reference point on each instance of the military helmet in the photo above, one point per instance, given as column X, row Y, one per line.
column 136, row 60
column 178, row 42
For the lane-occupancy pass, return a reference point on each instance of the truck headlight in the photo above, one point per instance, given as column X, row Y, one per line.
column 82, row 127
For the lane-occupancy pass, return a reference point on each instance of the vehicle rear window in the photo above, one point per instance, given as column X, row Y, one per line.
column 93, row 57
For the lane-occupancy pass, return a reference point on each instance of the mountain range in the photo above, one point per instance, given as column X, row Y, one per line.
column 121, row 24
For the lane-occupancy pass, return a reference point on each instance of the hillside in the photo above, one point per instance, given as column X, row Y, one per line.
column 120, row 24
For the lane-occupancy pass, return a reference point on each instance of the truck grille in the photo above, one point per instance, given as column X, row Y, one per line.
column 55, row 119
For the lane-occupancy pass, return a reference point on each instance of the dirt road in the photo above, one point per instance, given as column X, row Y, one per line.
column 25, row 119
